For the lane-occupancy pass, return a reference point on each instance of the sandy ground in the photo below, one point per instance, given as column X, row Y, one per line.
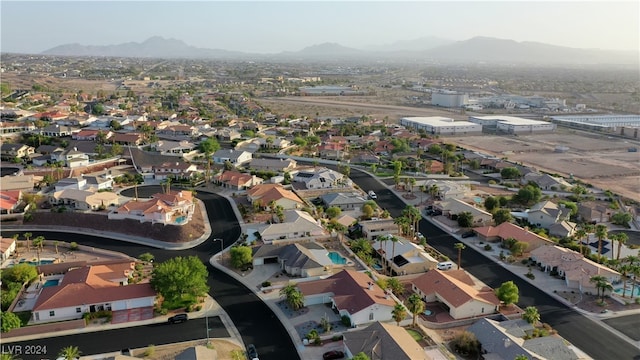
column 169, row 352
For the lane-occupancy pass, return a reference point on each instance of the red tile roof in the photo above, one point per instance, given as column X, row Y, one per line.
column 9, row 199
column 92, row 285
column 508, row 230
column 350, row 290
column 234, row 178
column 454, row 286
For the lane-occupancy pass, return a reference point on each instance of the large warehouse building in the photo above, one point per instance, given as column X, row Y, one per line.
column 512, row 124
column 438, row 125
column 623, row 125
column 451, row 99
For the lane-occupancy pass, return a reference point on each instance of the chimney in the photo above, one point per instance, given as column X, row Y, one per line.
column 370, row 285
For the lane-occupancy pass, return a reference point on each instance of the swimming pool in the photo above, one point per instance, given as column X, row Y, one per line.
column 377, row 267
column 628, row 292
column 181, row 219
column 35, row 263
column 336, row 258
column 51, row 283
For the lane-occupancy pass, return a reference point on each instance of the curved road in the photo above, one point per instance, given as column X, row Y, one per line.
column 584, row 333
column 254, row 319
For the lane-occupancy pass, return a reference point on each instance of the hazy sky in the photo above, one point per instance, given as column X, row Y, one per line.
column 267, row 27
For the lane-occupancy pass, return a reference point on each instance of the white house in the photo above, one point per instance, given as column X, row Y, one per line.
column 235, row 157
column 321, row 178
column 83, row 199
column 95, row 288
column 297, row 225
column 351, row 293
column 7, row 247
column 463, row 295
column 402, row 256
column 546, row 213
column 173, row 208
column 371, row 229
column 267, row 194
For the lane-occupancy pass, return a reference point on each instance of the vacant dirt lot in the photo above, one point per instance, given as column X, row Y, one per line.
column 599, row 160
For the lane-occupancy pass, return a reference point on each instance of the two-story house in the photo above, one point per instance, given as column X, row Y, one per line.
column 235, row 157
column 321, row 178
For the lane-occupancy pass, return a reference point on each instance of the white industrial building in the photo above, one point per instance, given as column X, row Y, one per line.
column 512, row 124
column 447, row 98
column 623, row 125
column 438, row 125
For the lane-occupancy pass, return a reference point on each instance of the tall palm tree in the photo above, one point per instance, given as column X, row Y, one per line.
column 622, row 239
column 459, row 246
column 597, row 280
column 38, row 242
column 416, row 306
column 381, row 252
column 70, row 353
column 402, row 223
column 580, row 235
column 601, row 234
column 605, row 286
column 394, row 240
column 398, row 313
column 27, row 236
column 635, row 270
column 625, row 271
column 531, row 315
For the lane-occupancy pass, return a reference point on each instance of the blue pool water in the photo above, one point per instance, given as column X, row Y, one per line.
column 478, row 200
column 51, row 283
column 35, row 263
column 181, row 219
column 628, row 292
column 336, row 258
column 377, row 267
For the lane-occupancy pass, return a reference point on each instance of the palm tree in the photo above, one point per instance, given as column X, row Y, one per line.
column 597, row 279
column 531, row 315
column 460, row 246
column 38, row 243
column 601, row 234
column 27, row 236
column 402, row 223
column 416, row 306
column 580, row 235
column 635, row 270
column 8, row 356
column 398, row 313
column 382, row 253
column 413, row 214
column 293, row 296
column 605, row 286
column 625, row 271
column 69, row 353
column 394, row 240
column 622, row 239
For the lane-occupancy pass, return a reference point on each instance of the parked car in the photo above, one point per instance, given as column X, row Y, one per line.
column 445, row 265
column 468, row 234
column 252, row 353
column 178, row 318
column 333, row 354
column 372, row 195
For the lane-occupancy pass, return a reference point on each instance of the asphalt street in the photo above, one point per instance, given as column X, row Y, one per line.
column 254, row 320
column 117, row 339
column 584, row 333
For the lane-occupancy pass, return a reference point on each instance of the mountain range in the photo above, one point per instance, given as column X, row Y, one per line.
column 431, row 49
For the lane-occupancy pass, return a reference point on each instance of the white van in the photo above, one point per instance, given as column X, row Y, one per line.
column 447, row 265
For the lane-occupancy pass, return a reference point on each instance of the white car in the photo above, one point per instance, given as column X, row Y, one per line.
column 372, row 195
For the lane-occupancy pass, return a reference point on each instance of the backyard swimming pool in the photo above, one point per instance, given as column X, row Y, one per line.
column 628, row 292
column 336, row 258
column 51, row 283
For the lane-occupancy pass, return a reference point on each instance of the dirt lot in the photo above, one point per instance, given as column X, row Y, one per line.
column 169, row 352
column 599, row 160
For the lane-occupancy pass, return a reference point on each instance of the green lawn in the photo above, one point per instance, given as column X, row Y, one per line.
column 414, row 334
column 384, row 174
column 173, row 304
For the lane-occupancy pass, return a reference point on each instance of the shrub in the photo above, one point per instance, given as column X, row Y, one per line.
column 488, row 247
column 73, row 245
column 346, row 321
column 530, row 276
column 336, row 338
column 149, row 351
column 266, row 283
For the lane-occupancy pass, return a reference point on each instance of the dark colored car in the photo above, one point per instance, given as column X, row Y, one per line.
column 252, row 353
column 178, row 318
column 334, row 354
column 467, row 234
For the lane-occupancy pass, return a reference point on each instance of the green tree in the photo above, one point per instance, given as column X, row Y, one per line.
column 601, row 233
column 361, row 356
column 333, row 212
column 299, row 141
column 293, row 296
column 621, row 238
column 465, row 219
column 521, row 357
column 491, row 203
column 528, row 195
column 19, row 273
column 367, row 211
column 531, row 315
column 621, row 218
column 395, row 286
column 466, row 344
column 416, row 306
column 241, row 256
column 501, row 216
column 180, row 276
column 9, row 321
column 146, row 257
column 398, row 313
column 70, row 353
column 208, row 147
column 459, row 246
column 510, row 173
column 518, row 248
column 508, row 293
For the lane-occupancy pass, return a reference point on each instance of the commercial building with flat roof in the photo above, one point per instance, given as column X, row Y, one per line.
column 448, row 98
column 438, row 125
column 623, row 125
column 513, row 124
